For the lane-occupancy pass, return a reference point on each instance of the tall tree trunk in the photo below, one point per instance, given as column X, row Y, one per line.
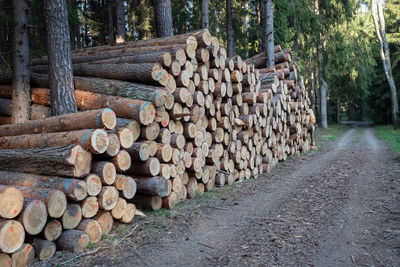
column 163, row 18
column 338, row 111
column 120, row 14
column 245, row 28
column 229, row 29
column 59, row 50
column 379, row 22
column 110, row 23
column 321, row 75
column 20, row 81
column 295, row 47
column 269, row 32
column 324, row 89
column 205, row 15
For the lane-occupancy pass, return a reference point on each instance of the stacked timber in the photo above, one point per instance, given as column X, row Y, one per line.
column 159, row 121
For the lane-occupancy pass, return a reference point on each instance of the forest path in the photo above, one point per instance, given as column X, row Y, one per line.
column 338, row 206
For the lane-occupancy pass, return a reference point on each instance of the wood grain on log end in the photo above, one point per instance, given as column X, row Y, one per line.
column 11, row 202
column 34, row 216
column 12, row 235
column 52, row 230
column 73, row 240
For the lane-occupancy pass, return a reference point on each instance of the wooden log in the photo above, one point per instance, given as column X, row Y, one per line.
column 143, row 73
column 73, row 240
column 150, row 132
column 177, row 141
column 68, row 122
column 72, row 216
column 93, row 184
column 52, row 230
column 148, row 202
column 161, row 57
column 105, row 170
column 12, row 235
column 127, row 185
column 11, row 201
column 129, row 213
column 191, row 188
column 94, row 140
column 73, row 188
column 92, row 228
column 113, row 145
column 149, row 167
column 132, row 125
column 33, row 216
column 108, row 197
column 139, row 151
column 119, row 210
column 141, row 110
column 54, row 199
column 24, row 256
column 5, row 259
column 44, row 249
column 89, row 207
column 164, row 153
column 106, row 221
column 122, row 161
column 170, row 201
column 153, row 186
column 70, row 161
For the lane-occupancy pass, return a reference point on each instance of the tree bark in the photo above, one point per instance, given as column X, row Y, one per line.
column 59, row 50
column 205, row 15
column 44, row 249
column 76, row 121
column 379, row 23
column 73, row 240
column 120, row 14
column 269, row 32
column 70, row 161
column 163, row 18
column 229, row 29
column 110, row 23
column 20, row 81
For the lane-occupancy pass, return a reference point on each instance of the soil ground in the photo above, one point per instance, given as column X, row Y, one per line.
column 338, row 206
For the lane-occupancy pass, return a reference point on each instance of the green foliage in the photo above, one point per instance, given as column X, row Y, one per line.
column 390, row 136
column 330, row 134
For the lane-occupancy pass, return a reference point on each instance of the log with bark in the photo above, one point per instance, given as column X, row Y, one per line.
column 71, row 161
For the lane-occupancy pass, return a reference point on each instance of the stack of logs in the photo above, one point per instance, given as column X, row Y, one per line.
column 160, row 121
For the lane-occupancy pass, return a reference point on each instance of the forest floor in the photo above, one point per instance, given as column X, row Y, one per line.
column 338, row 206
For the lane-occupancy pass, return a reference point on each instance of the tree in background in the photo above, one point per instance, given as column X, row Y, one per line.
column 62, row 94
column 110, row 24
column 269, row 32
column 379, row 23
column 20, row 81
column 163, row 18
column 120, row 16
column 229, row 29
column 205, row 15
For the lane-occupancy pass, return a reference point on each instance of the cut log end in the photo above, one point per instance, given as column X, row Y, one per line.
column 147, row 113
column 34, row 217
column 11, row 202
column 99, row 141
column 12, row 236
column 108, row 118
column 72, row 216
column 52, row 230
column 73, row 240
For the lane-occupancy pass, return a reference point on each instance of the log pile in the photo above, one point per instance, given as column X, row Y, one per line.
column 159, row 121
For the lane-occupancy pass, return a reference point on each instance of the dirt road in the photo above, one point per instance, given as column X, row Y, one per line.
column 338, row 206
